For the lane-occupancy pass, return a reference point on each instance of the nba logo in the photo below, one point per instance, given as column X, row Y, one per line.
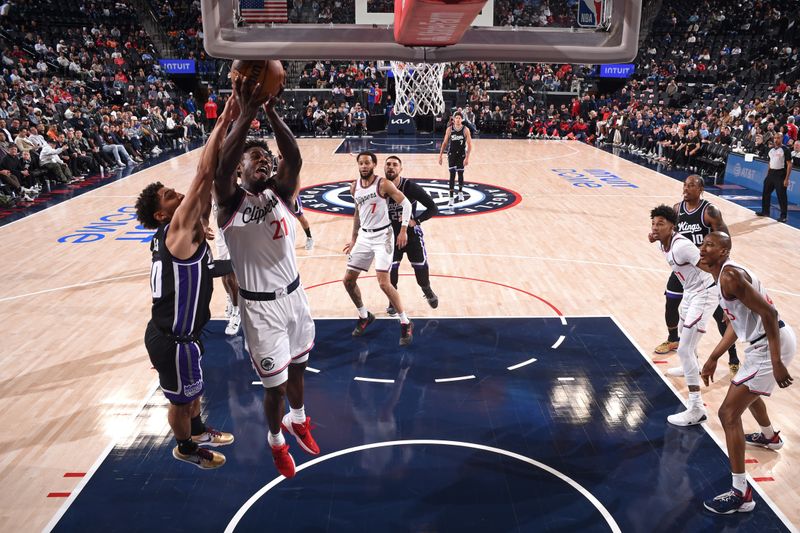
column 590, row 13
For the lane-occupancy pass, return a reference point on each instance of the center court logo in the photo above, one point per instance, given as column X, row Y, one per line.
column 335, row 198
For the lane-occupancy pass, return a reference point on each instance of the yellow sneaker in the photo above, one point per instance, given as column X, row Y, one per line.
column 201, row 458
column 666, row 347
column 213, row 437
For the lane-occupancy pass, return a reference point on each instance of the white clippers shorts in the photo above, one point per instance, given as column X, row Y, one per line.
column 378, row 245
column 756, row 371
column 697, row 308
column 278, row 332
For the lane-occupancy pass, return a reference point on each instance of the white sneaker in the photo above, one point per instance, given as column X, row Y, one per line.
column 228, row 307
column 450, row 204
column 690, row 417
column 675, row 372
column 309, row 244
column 234, row 323
column 460, row 196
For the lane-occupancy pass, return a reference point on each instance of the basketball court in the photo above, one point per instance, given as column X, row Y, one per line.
column 529, row 400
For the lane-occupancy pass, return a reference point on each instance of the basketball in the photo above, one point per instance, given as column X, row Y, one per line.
column 268, row 73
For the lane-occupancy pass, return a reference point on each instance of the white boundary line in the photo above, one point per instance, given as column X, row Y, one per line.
column 134, row 173
column 459, row 378
column 710, row 433
column 524, row 363
column 373, row 380
column 426, row 442
column 100, row 459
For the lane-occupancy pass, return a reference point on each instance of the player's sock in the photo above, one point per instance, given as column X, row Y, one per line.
column 298, row 415
column 362, row 312
column 739, row 482
column 198, row 427
column 767, row 431
column 404, row 318
column 275, row 440
column 186, row 446
column 695, row 400
column 672, row 335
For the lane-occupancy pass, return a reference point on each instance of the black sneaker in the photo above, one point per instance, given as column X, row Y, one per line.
column 782, row 219
column 433, row 300
column 761, row 214
column 391, row 311
column 406, row 333
column 362, row 324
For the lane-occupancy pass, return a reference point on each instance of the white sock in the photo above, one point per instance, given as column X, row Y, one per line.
column 362, row 312
column 275, row 440
column 695, row 400
column 739, row 482
column 767, row 431
column 404, row 318
column 298, row 415
column 235, row 310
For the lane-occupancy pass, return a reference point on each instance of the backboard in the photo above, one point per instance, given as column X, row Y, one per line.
column 558, row 31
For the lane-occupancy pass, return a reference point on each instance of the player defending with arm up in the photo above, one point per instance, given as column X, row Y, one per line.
column 181, row 286
column 373, row 238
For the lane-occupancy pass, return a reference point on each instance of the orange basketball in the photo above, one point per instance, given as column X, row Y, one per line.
column 268, row 73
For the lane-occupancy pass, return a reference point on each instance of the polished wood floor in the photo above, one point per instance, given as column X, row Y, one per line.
column 74, row 372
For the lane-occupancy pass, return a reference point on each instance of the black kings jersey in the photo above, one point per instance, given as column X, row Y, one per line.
column 181, row 288
column 415, row 194
column 691, row 224
column 458, row 143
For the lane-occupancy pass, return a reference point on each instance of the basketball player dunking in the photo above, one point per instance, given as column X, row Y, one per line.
column 258, row 227
column 373, row 238
column 181, row 285
column 697, row 218
column 772, row 345
column 415, row 249
column 697, row 306
column 458, row 141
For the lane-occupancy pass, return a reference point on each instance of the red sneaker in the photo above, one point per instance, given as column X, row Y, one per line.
column 302, row 432
column 283, row 460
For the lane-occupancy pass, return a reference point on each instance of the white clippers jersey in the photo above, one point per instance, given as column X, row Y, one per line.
column 261, row 237
column 373, row 209
column 683, row 257
column 745, row 322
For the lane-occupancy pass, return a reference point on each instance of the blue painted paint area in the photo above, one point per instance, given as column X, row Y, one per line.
column 418, row 144
column 602, row 425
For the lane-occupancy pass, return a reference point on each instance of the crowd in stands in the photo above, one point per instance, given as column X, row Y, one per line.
column 535, row 13
column 80, row 94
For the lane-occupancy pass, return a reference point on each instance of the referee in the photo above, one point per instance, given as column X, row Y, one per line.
column 416, row 244
column 780, row 168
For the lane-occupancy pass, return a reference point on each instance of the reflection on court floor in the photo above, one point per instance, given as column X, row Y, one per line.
column 483, row 424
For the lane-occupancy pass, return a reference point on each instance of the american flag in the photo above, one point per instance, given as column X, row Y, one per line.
column 264, row 11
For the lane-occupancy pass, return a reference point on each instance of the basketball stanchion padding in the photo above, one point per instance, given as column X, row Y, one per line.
column 434, row 22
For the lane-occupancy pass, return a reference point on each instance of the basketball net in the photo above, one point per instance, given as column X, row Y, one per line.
column 418, row 88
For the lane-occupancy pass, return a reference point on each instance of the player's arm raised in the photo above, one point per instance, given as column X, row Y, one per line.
column 288, row 176
column 733, row 283
column 444, row 143
column 389, row 189
column 182, row 238
column 225, row 188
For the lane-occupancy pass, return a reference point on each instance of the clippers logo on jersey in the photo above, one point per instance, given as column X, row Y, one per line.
column 335, row 198
column 257, row 214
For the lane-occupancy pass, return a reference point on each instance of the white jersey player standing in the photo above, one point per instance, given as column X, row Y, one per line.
column 752, row 318
column 373, row 239
column 260, row 232
column 697, row 307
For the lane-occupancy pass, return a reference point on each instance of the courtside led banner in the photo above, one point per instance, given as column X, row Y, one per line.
column 177, row 66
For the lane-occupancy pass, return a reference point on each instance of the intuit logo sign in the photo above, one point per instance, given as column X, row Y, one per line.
column 177, row 66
